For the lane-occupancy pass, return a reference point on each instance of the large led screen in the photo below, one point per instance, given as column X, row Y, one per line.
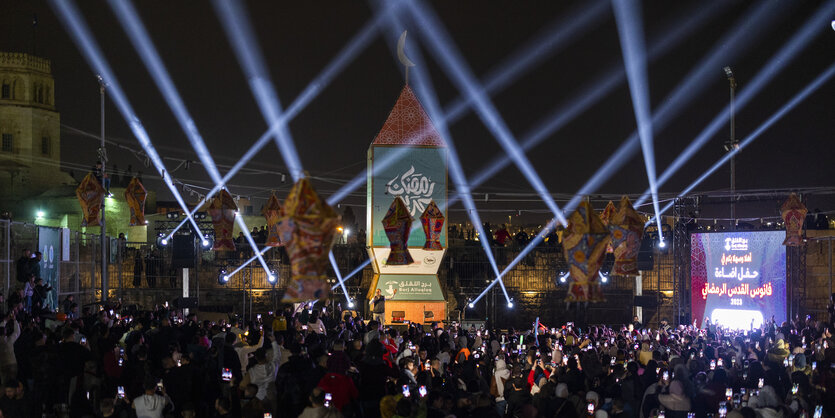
column 738, row 278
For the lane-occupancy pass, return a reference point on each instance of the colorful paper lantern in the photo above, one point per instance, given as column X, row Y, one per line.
column 223, row 210
column 432, row 220
column 398, row 225
column 793, row 213
column 272, row 213
column 307, row 227
column 135, row 195
column 626, row 226
column 91, row 197
column 585, row 244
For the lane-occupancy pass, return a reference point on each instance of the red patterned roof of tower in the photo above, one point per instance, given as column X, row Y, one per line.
column 408, row 124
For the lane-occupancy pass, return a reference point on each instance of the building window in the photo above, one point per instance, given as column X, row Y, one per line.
column 7, row 91
column 46, row 146
column 8, row 143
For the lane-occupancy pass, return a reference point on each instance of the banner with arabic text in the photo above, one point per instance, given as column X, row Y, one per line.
column 409, row 287
column 417, row 175
column 738, row 278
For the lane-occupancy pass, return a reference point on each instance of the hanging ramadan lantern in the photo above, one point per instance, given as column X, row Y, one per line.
column 626, row 226
column 585, row 244
column 91, row 196
column 135, row 195
column 433, row 223
column 272, row 213
column 793, row 213
column 223, row 210
column 307, row 227
column 398, row 225
column 606, row 217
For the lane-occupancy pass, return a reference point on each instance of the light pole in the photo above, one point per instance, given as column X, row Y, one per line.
column 103, row 158
column 732, row 144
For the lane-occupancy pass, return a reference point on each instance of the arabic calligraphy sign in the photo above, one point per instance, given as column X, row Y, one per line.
column 415, row 174
column 744, row 272
column 409, row 287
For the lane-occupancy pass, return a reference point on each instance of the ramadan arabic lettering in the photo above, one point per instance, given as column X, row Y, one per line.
column 415, row 188
column 736, row 259
column 739, row 290
column 735, row 273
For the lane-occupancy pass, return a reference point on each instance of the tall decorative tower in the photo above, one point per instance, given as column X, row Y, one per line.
column 407, row 178
column 30, row 141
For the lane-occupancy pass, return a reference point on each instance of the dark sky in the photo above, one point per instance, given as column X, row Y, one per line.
column 333, row 133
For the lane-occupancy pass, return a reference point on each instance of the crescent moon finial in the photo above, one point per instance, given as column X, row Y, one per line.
column 401, row 54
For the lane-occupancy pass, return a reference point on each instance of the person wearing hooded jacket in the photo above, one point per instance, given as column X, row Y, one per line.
column 501, row 375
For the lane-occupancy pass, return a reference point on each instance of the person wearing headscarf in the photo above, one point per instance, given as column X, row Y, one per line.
column 645, row 355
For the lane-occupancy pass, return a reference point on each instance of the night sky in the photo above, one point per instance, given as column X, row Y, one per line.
column 332, row 134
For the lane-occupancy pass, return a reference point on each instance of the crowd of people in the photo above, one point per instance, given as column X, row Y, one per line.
column 311, row 361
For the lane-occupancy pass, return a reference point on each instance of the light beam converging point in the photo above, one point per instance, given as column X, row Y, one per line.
column 629, row 22
column 352, row 273
column 141, row 41
column 78, row 30
column 246, row 263
column 775, row 64
column 810, row 88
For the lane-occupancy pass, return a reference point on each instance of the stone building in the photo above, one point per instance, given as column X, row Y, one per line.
column 33, row 187
column 30, row 135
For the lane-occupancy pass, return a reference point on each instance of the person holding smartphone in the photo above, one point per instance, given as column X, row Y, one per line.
column 152, row 403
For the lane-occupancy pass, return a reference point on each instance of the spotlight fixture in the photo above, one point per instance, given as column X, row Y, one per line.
column 662, row 244
column 205, row 242
column 470, row 303
column 350, row 304
column 40, row 214
column 272, row 276
column 604, row 278
column 510, row 304
column 164, row 241
column 222, row 276
column 608, row 264
column 563, row 273
column 728, row 72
